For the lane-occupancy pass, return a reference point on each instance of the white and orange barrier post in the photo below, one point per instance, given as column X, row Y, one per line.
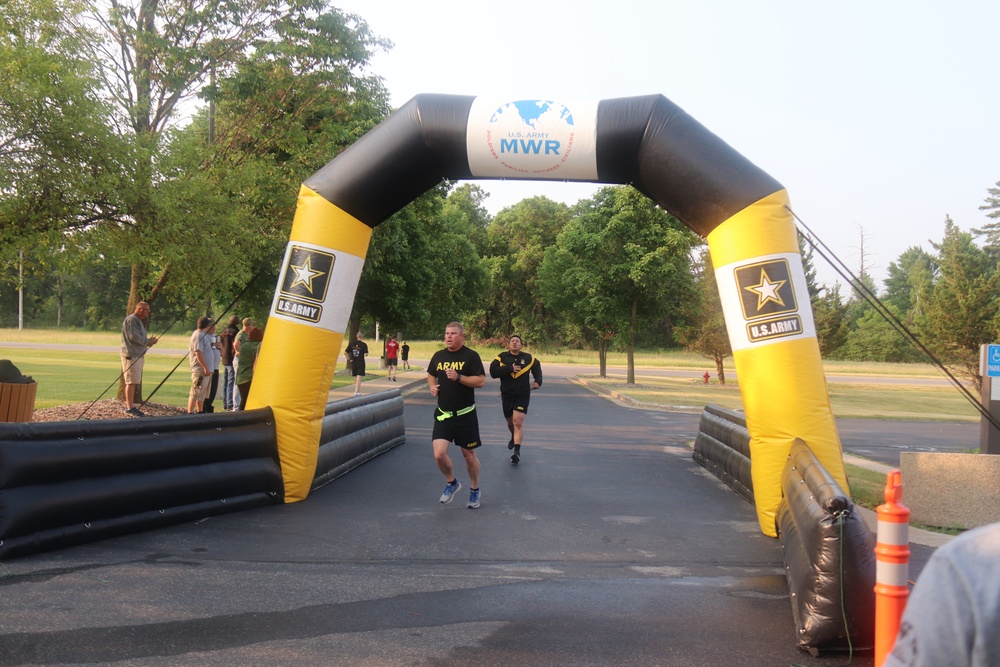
column 892, row 566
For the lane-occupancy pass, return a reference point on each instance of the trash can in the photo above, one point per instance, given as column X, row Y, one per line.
column 17, row 394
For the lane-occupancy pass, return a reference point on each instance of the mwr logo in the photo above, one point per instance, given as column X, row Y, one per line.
column 307, row 274
column 531, row 136
column 765, row 290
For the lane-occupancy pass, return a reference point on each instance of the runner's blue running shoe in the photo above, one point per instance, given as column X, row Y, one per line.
column 450, row 489
column 473, row 499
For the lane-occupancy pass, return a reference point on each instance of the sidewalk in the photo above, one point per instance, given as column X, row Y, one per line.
column 407, row 382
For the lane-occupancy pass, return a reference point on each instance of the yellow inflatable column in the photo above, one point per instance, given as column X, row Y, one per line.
column 771, row 329
column 312, row 304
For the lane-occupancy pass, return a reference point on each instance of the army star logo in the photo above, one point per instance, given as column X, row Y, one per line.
column 304, row 274
column 766, row 290
column 307, row 274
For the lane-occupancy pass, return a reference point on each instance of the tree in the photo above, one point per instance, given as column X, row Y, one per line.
column 909, row 280
column 992, row 207
column 830, row 317
column 829, row 309
column 467, row 203
column 622, row 262
column 963, row 307
column 874, row 338
column 706, row 331
column 60, row 163
column 157, row 56
column 515, row 242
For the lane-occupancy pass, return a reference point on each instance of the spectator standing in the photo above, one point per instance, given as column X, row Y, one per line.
column 213, row 364
column 356, row 353
column 199, row 354
column 248, row 359
column 228, row 354
column 134, row 344
column 392, row 357
column 241, row 337
column 453, row 376
column 404, row 352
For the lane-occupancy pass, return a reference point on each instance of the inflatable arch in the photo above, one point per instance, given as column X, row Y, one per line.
column 647, row 142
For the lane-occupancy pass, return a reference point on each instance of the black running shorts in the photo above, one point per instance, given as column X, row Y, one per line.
column 514, row 403
column 462, row 430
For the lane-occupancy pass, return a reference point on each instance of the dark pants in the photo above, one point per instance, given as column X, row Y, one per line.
column 244, row 388
column 206, row 405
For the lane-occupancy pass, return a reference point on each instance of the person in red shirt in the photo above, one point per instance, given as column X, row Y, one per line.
column 392, row 357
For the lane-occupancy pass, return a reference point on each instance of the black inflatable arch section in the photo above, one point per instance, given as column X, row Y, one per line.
column 647, row 142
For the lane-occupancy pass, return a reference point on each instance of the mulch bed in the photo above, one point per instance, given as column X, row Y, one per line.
column 105, row 409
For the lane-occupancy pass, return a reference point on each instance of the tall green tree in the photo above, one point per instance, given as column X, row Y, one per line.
column 421, row 271
column 830, row 317
column 516, row 240
column 909, row 280
column 963, row 307
column 467, row 204
column 59, row 162
column 992, row 207
column 157, row 56
column 622, row 263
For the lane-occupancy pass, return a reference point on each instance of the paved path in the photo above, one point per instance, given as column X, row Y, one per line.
column 608, row 545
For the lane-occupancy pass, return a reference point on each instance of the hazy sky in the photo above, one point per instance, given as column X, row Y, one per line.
column 879, row 116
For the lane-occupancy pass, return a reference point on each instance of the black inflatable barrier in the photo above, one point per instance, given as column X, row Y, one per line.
column 356, row 430
column 722, row 446
column 829, row 558
column 66, row 483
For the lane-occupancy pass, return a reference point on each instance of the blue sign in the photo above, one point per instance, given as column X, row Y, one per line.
column 993, row 361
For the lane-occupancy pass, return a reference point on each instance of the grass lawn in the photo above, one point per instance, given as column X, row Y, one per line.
column 69, row 377
column 65, row 377
column 865, row 401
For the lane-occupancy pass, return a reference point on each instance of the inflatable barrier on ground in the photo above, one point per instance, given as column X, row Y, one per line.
column 647, row 142
column 829, row 558
column 356, row 430
column 722, row 446
column 64, row 483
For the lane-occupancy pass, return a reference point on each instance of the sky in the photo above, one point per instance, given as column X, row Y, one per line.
column 879, row 118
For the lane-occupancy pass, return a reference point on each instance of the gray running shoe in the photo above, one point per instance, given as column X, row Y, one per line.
column 450, row 490
column 473, row 499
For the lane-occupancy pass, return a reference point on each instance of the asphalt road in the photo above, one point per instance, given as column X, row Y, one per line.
column 608, row 545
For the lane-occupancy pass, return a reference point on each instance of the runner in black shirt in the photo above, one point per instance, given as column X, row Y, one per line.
column 356, row 352
column 453, row 376
column 513, row 368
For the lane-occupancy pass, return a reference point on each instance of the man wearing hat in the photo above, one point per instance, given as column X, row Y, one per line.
column 199, row 355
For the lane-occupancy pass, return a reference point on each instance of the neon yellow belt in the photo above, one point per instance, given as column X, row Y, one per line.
column 457, row 413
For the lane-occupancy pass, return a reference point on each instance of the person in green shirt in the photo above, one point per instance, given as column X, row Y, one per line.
column 248, row 357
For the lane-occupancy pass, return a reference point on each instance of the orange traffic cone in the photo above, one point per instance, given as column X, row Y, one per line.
column 892, row 566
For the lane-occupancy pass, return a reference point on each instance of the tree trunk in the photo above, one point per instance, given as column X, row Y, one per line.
column 602, row 356
column 630, row 352
column 720, row 370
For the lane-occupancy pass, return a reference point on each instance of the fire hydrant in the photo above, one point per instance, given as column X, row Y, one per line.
column 706, row 376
